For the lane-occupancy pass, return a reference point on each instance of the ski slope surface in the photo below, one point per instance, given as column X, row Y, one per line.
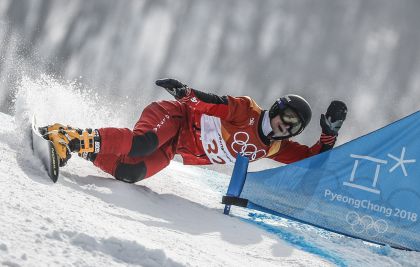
column 172, row 219
column 90, row 219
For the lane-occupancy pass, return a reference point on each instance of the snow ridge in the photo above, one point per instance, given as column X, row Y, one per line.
column 123, row 251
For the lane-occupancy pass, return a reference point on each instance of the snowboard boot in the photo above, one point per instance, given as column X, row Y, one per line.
column 67, row 139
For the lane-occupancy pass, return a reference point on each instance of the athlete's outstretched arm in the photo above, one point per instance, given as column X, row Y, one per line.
column 291, row 151
column 206, row 103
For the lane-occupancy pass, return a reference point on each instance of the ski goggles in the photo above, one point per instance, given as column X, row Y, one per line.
column 289, row 117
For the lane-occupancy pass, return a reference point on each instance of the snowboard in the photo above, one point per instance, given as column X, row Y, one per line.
column 45, row 151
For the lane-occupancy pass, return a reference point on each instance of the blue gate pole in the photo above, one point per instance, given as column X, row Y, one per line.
column 238, row 179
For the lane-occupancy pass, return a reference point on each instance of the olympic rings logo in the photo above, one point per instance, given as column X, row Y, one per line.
column 366, row 224
column 242, row 147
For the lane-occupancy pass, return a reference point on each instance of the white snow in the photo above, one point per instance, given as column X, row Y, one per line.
column 172, row 219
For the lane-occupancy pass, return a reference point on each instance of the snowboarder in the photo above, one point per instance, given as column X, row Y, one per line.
column 203, row 128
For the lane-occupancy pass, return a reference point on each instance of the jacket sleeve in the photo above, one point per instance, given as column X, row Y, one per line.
column 293, row 151
column 225, row 107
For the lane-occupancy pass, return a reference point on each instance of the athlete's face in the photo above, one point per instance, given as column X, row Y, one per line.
column 279, row 127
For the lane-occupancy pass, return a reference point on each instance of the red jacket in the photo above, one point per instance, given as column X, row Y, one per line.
column 216, row 131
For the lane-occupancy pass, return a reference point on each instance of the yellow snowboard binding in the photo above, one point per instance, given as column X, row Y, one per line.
column 67, row 139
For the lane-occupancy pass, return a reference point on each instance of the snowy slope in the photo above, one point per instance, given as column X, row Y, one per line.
column 86, row 219
column 172, row 219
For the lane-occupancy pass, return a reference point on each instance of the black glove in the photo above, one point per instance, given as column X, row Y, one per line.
column 174, row 87
column 333, row 119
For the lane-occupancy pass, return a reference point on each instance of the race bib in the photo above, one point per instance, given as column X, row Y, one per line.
column 213, row 143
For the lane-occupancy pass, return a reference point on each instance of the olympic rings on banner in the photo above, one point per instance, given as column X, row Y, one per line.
column 366, row 224
column 241, row 146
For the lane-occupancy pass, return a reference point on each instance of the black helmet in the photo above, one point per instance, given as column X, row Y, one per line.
column 297, row 104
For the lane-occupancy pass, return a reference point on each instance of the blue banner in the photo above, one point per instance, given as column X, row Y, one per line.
column 368, row 188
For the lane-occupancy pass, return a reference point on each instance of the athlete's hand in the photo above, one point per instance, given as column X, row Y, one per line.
column 174, row 87
column 333, row 119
